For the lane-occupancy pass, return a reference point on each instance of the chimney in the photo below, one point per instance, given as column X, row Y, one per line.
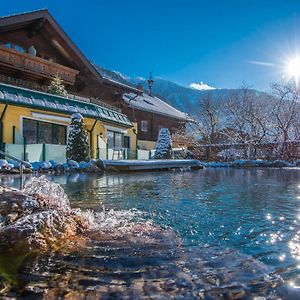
column 150, row 84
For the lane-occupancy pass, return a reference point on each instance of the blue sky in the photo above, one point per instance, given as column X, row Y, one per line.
column 218, row 42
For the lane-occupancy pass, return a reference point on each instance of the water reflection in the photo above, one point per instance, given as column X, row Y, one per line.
column 239, row 230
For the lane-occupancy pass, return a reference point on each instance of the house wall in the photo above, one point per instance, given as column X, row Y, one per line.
column 14, row 114
column 132, row 133
column 155, row 123
column 146, row 145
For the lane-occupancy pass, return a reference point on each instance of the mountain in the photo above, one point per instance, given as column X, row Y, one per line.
column 183, row 98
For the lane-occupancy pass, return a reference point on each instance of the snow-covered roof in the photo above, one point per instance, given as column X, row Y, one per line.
column 115, row 79
column 13, row 95
column 153, row 104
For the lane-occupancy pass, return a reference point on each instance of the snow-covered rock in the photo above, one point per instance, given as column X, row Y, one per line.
column 42, row 165
column 8, row 167
column 244, row 163
column 83, row 165
column 15, row 163
column 280, row 164
column 53, row 163
column 73, row 164
column 214, row 164
column 66, row 167
column 45, row 165
column 3, row 163
column 35, row 166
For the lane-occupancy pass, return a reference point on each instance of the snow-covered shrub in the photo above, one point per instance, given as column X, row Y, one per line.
column 163, row 149
column 77, row 147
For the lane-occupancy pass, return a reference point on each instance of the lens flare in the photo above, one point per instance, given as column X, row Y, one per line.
column 292, row 69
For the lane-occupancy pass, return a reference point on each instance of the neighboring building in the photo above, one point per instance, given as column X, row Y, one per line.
column 151, row 114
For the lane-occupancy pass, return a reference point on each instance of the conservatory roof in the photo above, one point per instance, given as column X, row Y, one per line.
column 28, row 98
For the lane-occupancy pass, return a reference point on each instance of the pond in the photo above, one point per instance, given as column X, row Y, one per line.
column 223, row 233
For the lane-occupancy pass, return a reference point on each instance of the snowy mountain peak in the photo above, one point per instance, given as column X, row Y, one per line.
column 121, row 75
column 201, row 86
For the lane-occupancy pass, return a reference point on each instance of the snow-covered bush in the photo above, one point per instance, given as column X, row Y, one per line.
column 163, row 149
column 77, row 148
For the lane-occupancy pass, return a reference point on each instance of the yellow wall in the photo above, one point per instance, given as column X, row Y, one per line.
column 13, row 117
column 131, row 132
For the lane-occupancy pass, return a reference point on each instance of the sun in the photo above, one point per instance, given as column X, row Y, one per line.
column 292, row 69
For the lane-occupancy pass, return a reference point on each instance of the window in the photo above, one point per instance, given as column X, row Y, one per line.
column 44, row 133
column 110, row 139
column 119, row 138
column 144, row 126
column 126, row 142
column 12, row 46
column 114, row 139
column 59, row 134
column 19, row 48
column 38, row 132
column 30, row 131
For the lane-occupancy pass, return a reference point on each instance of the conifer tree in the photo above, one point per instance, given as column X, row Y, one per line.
column 77, row 147
column 56, row 87
column 163, row 149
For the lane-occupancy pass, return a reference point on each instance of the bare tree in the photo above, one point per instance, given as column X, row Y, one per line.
column 250, row 118
column 285, row 114
column 285, row 110
column 247, row 118
column 208, row 116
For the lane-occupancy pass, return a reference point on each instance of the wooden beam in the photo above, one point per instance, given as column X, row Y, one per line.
column 36, row 27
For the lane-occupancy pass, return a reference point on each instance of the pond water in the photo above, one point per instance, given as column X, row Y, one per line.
column 208, row 234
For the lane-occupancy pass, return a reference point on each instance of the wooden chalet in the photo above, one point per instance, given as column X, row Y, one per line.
column 33, row 50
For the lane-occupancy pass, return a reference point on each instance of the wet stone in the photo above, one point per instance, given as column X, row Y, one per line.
column 36, row 223
column 235, row 294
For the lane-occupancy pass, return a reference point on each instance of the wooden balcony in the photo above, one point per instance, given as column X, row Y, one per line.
column 33, row 67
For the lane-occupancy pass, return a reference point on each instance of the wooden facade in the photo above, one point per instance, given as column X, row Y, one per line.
column 34, row 49
column 154, row 121
column 56, row 54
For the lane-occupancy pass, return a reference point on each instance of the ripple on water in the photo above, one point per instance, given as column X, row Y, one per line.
column 212, row 234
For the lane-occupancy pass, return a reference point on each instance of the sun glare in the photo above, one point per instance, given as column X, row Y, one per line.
column 292, row 69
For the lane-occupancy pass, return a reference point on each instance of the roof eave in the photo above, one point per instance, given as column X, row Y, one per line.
column 126, row 88
column 44, row 13
column 128, row 123
column 158, row 113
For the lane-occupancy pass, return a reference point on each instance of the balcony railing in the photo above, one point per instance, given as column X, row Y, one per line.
column 35, row 65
